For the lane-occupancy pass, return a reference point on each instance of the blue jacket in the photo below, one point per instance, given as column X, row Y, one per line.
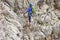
column 29, row 11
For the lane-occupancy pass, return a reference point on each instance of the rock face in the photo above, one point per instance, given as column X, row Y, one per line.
column 10, row 2
column 50, row 2
column 14, row 26
column 57, row 4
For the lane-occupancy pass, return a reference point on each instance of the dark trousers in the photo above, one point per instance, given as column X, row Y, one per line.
column 29, row 18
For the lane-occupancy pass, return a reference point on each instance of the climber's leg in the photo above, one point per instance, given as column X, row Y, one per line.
column 29, row 20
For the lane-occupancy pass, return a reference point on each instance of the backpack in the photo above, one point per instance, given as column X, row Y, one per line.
column 33, row 9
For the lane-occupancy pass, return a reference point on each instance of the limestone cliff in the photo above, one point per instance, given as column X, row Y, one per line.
column 45, row 22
